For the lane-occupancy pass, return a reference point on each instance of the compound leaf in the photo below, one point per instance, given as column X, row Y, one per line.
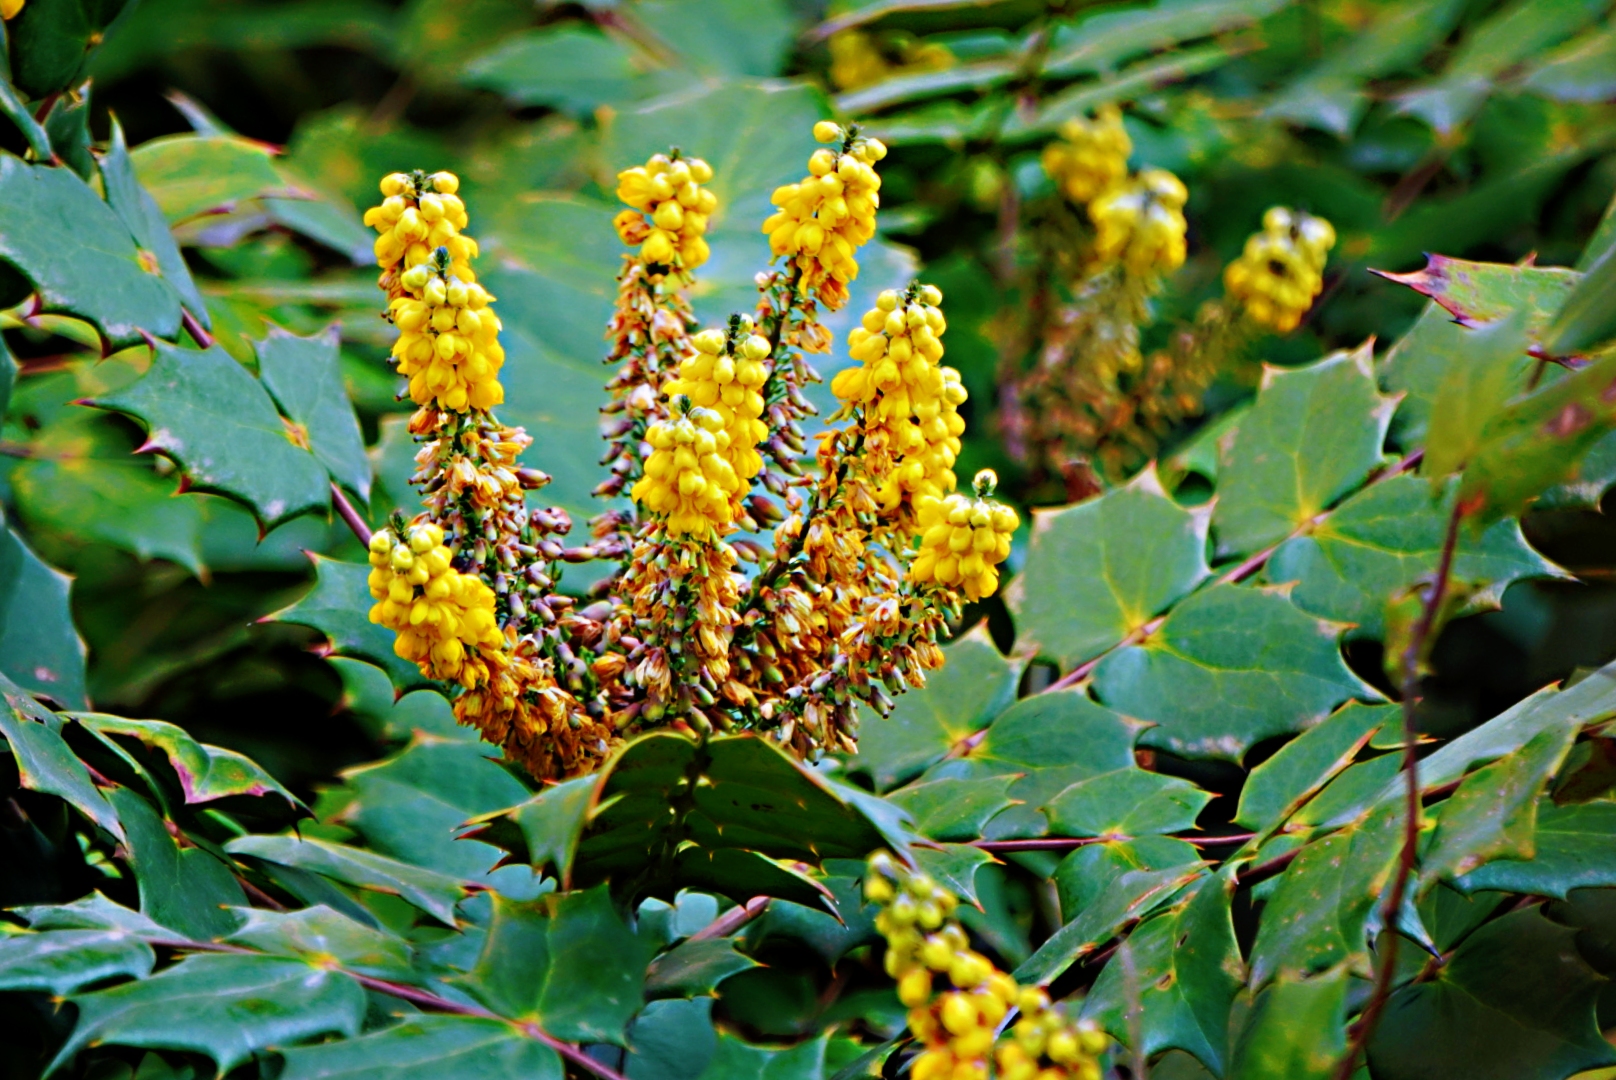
column 1130, row 896
column 1305, row 764
column 953, row 808
column 146, row 223
column 186, row 889
column 695, row 967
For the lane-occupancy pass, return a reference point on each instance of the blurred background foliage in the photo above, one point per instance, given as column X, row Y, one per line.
column 1476, row 128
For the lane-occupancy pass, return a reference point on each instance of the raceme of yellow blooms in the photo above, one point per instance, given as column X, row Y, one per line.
column 963, row 540
column 726, row 374
column 826, row 216
column 1281, row 270
column 688, row 479
column 671, row 210
column 448, row 343
column 911, row 420
column 957, row 999
column 437, row 612
column 1140, row 223
column 420, row 213
column 1090, row 157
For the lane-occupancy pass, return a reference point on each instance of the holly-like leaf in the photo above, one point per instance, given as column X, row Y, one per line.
column 224, row 1006
column 734, row 1059
column 61, row 961
column 304, row 375
column 1479, row 292
column 339, row 606
column 571, row 67
column 1515, row 1001
column 567, row 961
column 1585, row 321
column 146, row 223
column 954, row 866
column 1101, row 570
column 432, row 892
column 1129, row 897
column 1231, row 666
column 671, row 1039
column 1186, row 972
column 975, row 685
column 79, row 254
column 545, row 828
column 1493, row 813
column 695, row 967
column 44, row 761
column 205, row 772
column 39, row 648
column 1494, row 369
column 323, row 936
column 217, row 422
column 1386, row 538
column 428, row 1047
column 1084, row 875
column 1314, row 435
column 955, row 809
column 1305, row 764
column 1127, row 802
column 190, row 175
column 1573, row 847
column 186, row 889
column 93, row 912
column 1296, row 1030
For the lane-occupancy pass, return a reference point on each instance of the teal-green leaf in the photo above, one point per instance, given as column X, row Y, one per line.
column 1585, row 321
column 548, row 825
column 954, row 866
column 186, row 889
column 724, row 37
column 1515, row 1001
column 217, row 422
column 50, row 39
column 40, row 650
column 567, row 961
column 304, row 376
column 339, row 607
column 1086, row 872
column 320, row 935
column 1296, row 1030
column 1580, row 70
column 1186, row 972
column 975, row 685
column 60, row 961
column 671, row 1039
column 1125, row 803
column 16, row 110
column 1573, row 847
column 432, row 892
column 225, row 1006
column 93, row 912
column 1305, row 764
column 1475, row 293
column 574, row 67
column 694, row 967
column 1314, row 435
column 80, row 255
column 1495, row 368
column 1231, row 666
column 737, row 1060
column 1129, row 897
column 190, row 174
column 146, row 222
column 46, row 764
column 954, row 809
column 1385, row 538
column 1099, row 571
column 205, row 772
column 428, row 1047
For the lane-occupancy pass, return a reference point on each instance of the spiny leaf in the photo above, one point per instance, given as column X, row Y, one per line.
column 671, row 1039
column 547, row 826
column 432, row 892
column 428, row 1047
column 1084, row 875
column 338, row 606
column 186, row 889
column 1305, row 764
column 205, row 772
column 695, row 967
column 1479, row 292
column 954, row 866
column 44, row 761
column 1314, row 434
column 141, row 213
column 1127, row 802
column 305, row 378
column 1573, row 847
column 954, row 809
column 320, row 935
column 1130, row 896
column 1495, row 369
column 1296, row 1030
column 1585, row 321
column 39, row 648
column 568, row 67
column 737, row 1060
column 216, row 421
column 59, row 962
column 189, row 175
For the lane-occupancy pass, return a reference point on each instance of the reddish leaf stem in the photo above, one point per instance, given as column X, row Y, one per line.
column 1369, row 1018
column 732, row 920
column 1066, row 843
column 346, row 511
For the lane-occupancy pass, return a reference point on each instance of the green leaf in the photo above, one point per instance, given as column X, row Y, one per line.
column 46, row 764
column 50, row 39
column 139, row 211
column 1124, row 803
column 1580, row 70
column 736, row 1060
column 8, row 375
column 1515, row 1001
column 1129, row 897
column 724, row 37
column 1274, row 789
column 427, row 1047
column 205, row 772
column 304, row 376
column 954, row 866
column 432, row 892
column 1086, row 872
column 1132, row 82
column 908, row 88
column 1494, row 369
column 93, row 912
column 339, row 607
column 1186, row 972
column 1314, row 435
column 79, row 254
column 1493, row 813
column 1231, row 666
column 1586, row 321
column 547, row 826
column 16, row 110
column 954, row 809
column 225, row 1006
column 1098, row 42
column 570, row 67
column 1101, row 570
column 1296, row 1030
column 975, row 685
column 186, row 889
column 695, row 967
column 1386, row 538
column 216, row 421
column 322, row 936
column 671, row 1040
column 59, row 962
column 190, row 175
column 567, row 961
column 1572, row 848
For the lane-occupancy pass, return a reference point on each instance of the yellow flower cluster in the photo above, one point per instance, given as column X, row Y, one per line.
column 520, row 707
column 1281, row 271
column 963, row 540
column 9, row 9
column 912, row 425
column 856, row 60
column 1090, row 157
column 824, row 218
column 925, row 946
column 1140, row 223
column 725, row 374
column 688, row 479
column 667, row 190
column 448, row 343
column 437, row 612
column 420, row 213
